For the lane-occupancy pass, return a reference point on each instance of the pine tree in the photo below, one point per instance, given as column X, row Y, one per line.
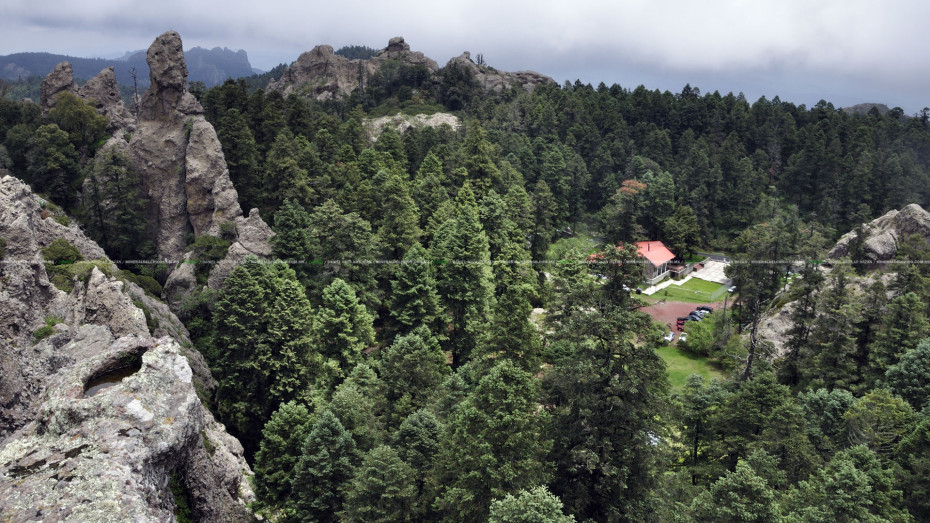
column 114, row 207
column 494, row 444
column 413, row 291
column 323, row 471
column 399, row 229
column 412, row 369
column 291, row 241
column 903, row 326
column 264, row 350
column 242, row 157
column 343, row 325
column 382, row 490
column 282, row 441
column 465, row 280
column 741, row 495
column 419, row 442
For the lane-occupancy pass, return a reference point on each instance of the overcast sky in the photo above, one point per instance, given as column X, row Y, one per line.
column 844, row 51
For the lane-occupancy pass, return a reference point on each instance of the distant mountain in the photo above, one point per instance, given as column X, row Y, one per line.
column 865, row 108
column 210, row 66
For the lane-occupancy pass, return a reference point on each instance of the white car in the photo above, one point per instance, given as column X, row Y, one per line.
column 669, row 336
column 682, row 337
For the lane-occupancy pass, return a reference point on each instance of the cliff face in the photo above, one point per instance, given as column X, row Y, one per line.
column 325, row 75
column 68, row 453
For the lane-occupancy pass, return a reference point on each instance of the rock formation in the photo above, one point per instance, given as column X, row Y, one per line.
column 325, row 75
column 493, row 81
column 101, row 91
column 329, row 76
column 180, row 160
column 883, row 234
column 127, row 452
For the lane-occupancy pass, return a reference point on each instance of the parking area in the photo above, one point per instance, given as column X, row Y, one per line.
column 667, row 313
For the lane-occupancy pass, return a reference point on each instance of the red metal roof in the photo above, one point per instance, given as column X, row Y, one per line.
column 655, row 252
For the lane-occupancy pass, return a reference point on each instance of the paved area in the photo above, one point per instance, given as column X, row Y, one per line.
column 648, row 291
column 712, row 271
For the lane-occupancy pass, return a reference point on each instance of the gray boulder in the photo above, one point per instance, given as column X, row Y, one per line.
column 883, row 234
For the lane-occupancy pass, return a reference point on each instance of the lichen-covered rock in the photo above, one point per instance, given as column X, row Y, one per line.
column 402, row 122
column 113, row 456
column 67, row 456
column 883, row 234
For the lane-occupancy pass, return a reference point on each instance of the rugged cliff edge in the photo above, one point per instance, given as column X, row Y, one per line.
column 881, row 235
column 129, row 452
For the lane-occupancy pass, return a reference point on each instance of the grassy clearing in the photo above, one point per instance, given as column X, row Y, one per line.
column 694, row 291
column 681, row 364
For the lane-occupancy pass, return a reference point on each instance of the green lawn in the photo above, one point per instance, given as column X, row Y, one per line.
column 682, row 364
column 694, row 291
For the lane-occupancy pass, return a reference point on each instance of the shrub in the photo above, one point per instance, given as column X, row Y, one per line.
column 61, row 252
column 206, row 251
column 46, row 330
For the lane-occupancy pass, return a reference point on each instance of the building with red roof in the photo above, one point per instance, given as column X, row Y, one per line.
column 658, row 258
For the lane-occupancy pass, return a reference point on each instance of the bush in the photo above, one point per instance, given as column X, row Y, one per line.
column 63, row 276
column 149, row 284
column 61, row 252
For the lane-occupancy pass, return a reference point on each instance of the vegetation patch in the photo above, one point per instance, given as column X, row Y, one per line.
column 681, row 364
column 694, row 290
column 46, row 330
column 207, row 250
column 182, row 506
column 63, row 276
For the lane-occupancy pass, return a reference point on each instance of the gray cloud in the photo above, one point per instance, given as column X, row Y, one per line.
column 846, row 51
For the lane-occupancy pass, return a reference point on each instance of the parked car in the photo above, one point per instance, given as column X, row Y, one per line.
column 707, row 308
column 694, row 316
column 732, row 289
column 669, row 336
column 701, row 313
column 682, row 337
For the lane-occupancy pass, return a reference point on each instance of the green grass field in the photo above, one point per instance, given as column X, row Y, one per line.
column 694, row 291
column 682, row 364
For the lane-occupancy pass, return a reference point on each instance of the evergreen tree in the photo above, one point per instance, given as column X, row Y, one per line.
column 494, row 444
column 343, row 325
column 291, row 241
column 910, row 376
column 114, row 207
column 741, row 495
column 465, row 280
column 282, row 441
column 323, row 471
column 52, row 164
column 419, row 442
column 903, row 326
column 264, row 350
column 85, row 127
column 382, row 490
column 605, row 401
column 853, row 487
column 412, row 369
column 399, row 229
column 413, row 291
column 242, row 157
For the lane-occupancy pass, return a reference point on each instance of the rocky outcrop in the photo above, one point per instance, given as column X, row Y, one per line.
column 127, row 452
column 325, row 75
column 493, row 81
column 402, row 122
column 60, row 80
column 881, row 235
column 102, row 91
column 178, row 156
